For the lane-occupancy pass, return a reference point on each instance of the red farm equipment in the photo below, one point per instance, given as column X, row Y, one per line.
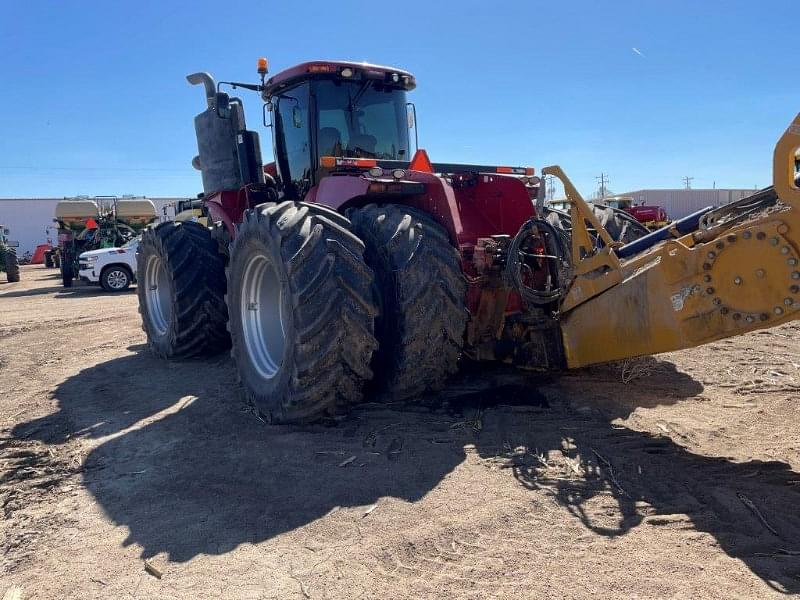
column 349, row 266
column 652, row 217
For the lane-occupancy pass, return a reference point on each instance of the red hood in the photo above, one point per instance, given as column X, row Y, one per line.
column 647, row 213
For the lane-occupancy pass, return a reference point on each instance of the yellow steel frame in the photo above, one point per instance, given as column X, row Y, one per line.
column 698, row 288
column 595, row 270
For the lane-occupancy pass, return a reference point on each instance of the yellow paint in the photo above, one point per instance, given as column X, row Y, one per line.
column 597, row 271
column 731, row 279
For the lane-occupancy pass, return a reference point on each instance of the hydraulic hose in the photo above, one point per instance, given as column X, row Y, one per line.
column 556, row 251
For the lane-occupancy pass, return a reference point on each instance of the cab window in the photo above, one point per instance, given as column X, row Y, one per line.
column 294, row 140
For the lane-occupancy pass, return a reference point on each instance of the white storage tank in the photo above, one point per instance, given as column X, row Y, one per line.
column 136, row 212
column 76, row 212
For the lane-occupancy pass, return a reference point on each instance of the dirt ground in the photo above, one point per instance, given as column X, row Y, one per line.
column 675, row 477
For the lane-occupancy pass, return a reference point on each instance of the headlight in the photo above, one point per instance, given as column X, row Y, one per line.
column 89, row 259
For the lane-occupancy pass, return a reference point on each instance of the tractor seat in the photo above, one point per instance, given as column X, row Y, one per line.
column 330, row 141
column 363, row 142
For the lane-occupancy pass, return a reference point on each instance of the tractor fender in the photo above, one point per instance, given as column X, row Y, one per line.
column 344, row 192
column 485, row 206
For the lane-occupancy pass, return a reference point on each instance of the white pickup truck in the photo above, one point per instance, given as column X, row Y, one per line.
column 112, row 268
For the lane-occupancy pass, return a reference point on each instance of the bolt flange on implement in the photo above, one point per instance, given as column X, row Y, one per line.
column 717, row 273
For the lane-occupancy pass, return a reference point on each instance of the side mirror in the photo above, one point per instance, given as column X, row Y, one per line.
column 266, row 108
column 411, row 118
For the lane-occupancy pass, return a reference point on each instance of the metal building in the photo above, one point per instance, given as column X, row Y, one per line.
column 681, row 202
column 30, row 220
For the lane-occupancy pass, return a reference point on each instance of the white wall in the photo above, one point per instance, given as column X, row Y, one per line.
column 681, row 202
column 29, row 219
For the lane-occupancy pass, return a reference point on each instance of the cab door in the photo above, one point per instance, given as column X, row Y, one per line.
column 293, row 140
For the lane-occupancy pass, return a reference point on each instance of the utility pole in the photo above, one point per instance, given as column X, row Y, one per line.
column 550, row 187
column 603, row 179
column 687, row 182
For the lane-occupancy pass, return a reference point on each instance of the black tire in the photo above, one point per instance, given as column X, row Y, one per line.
column 67, row 270
column 620, row 225
column 48, row 260
column 422, row 291
column 116, row 278
column 192, row 320
column 320, row 344
column 12, row 265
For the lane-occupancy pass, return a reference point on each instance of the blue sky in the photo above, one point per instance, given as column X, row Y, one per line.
column 96, row 101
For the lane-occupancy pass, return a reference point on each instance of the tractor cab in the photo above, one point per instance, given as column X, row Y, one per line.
column 618, row 202
column 340, row 133
column 323, row 111
column 325, row 117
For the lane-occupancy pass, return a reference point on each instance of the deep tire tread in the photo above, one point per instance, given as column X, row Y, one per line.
column 620, row 225
column 11, row 264
column 197, row 270
column 332, row 314
column 421, row 330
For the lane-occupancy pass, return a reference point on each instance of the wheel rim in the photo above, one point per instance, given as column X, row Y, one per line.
column 158, row 293
column 117, row 279
column 262, row 316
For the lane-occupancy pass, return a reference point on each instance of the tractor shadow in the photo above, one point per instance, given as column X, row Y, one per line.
column 91, row 291
column 578, row 452
column 60, row 292
column 188, row 469
column 36, row 274
column 24, row 293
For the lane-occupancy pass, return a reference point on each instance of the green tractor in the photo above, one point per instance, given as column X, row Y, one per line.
column 8, row 257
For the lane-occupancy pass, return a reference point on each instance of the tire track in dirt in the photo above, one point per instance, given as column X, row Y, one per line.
column 591, row 487
column 52, row 324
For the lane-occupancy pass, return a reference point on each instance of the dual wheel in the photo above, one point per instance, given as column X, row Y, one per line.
column 317, row 307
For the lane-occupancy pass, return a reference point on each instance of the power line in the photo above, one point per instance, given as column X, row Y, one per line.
column 89, row 169
column 603, row 179
column 687, row 182
column 550, row 187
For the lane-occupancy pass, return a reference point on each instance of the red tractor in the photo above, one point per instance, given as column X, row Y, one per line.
column 346, row 261
column 349, row 265
column 652, row 217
